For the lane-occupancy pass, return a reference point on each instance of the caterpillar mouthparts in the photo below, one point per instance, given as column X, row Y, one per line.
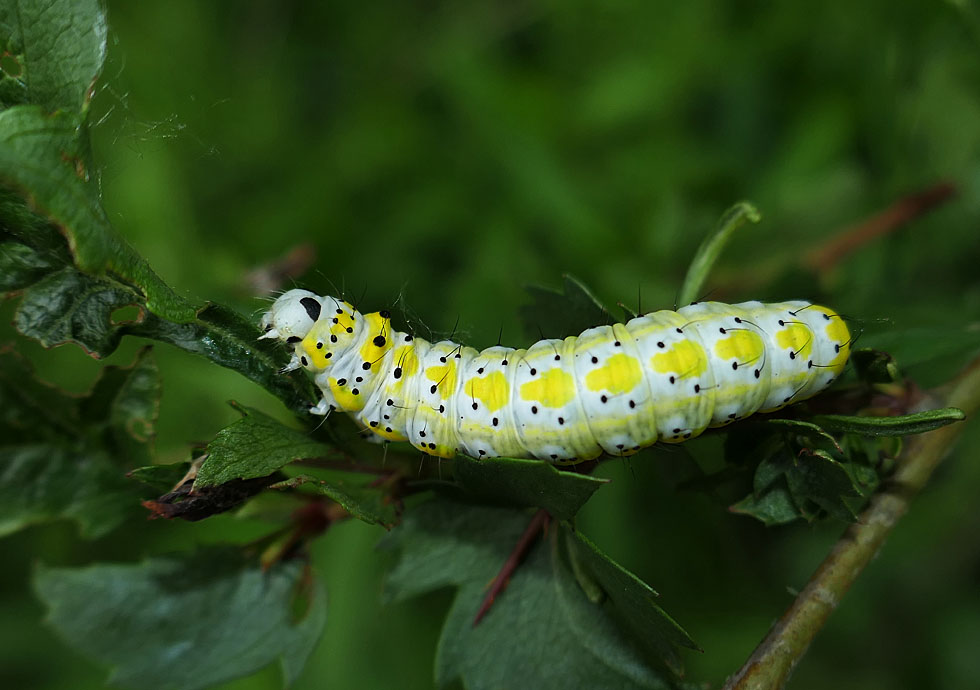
column 665, row 376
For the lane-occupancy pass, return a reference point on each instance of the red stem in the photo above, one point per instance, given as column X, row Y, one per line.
column 534, row 530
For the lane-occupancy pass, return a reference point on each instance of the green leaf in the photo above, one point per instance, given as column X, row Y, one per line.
column 633, row 600
column 187, row 621
column 526, row 483
column 127, row 401
column 556, row 314
column 62, row 456
column 43, row 158
column 819, row 478
column 229, row 340
column 45, row 481
column 543, row 630
column 160, row 478
column 874, row 366
column 29, row 408
column 711, row 248
column 352, row 491
column 69, row 306
column 774, row 506
column 21, row 266
column 59, row 45
column 901, row 425
column 255, row 446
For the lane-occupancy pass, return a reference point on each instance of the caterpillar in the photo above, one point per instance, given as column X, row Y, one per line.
column 664, row 376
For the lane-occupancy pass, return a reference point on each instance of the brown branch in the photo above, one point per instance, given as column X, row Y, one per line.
column 771, row 663
column 824, row 258
column 538, row 523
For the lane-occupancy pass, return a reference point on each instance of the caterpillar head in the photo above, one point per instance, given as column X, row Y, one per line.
column 292, row 316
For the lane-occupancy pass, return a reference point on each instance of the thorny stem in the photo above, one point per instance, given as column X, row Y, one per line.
column 534, row 529
column 774, row 659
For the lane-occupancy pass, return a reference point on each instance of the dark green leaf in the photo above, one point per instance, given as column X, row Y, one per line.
column 526, row 483
column 890, row 426
column 543, row 630
column 633, row 600
column 556, row 314
column 29, row 408
column 229, row 340
column 42, row 157
column 711, row 248
column 874, row 366
column 351, row 491
column 255, row 446
column 160, row 478
column 187, row 621
column 775, row 506
column 45, row 481
column 819, row 478
column 127, row 400
column 59, row 46
column 808, row 429
column 21, row 266
column 71, row 307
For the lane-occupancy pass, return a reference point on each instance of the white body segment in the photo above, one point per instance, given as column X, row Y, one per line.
column 664, row 376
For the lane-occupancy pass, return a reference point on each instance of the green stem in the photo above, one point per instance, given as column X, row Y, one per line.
column 774, row 659
column 710, row 250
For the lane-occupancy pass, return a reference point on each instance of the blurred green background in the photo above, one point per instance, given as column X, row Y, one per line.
column 451, row 153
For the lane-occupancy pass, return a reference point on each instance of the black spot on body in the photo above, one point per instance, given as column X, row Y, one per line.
column 697, row 387
column 333, row 338
column 355, row 391
column 442, row 409
column 293, row 339
column 379, row 341
column 432, row 389
column 533, row 371
column 735, row 365
column 475, row 406
column 632, row 404
column 604, row 399
column 319, row 346
column 374, row 424
column 398, row 372
column 480, row 370
column 341, row 382
column 757, row 372
column 312, row 307
column 534, row 409
column 350, row 330
column 561, row 420
column 495, row 421
column 303, row 361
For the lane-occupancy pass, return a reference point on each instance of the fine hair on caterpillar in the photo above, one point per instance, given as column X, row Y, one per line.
column 664, row 376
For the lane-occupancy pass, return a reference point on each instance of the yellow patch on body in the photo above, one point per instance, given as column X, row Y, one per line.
column 408, row 360
column 318, row 356
column 742, row 346
column 390, row 435
column 346, row 400
column 492, row 390
column 620, row 374
column 369, row 351
column 444, row 376
column 796, row 337
column 838, row 333
column 554, row 388
column 684, row 358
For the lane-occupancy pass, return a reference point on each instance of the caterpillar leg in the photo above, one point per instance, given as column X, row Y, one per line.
column 321, row 408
